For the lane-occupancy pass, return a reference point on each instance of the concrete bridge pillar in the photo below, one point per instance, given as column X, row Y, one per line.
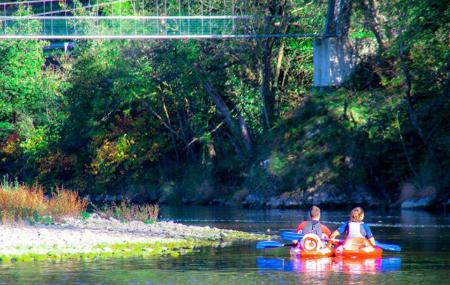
column 333, row 61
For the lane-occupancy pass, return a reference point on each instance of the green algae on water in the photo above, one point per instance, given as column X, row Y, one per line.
column 163, row 247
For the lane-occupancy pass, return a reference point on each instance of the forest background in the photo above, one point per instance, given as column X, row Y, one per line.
column 236, row 121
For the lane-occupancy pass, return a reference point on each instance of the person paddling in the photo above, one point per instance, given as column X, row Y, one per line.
column 313, row 232
column 358, row 235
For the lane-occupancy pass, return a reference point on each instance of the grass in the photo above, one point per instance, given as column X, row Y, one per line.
column 126, row 212
column 66, row 203
column 21, row 202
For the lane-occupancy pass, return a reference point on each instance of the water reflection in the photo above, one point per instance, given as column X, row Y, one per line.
column 424, row 238
column 321, row 267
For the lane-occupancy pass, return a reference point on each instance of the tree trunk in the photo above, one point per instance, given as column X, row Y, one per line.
column 338, row 18
column 267, row 93
column 269, row 82
column 220, row 104
column 245, row 135
column 374, row 20
column 279, row 63
column 242, row 131
column 169, row 123
column 329, row 20
column 411, row 111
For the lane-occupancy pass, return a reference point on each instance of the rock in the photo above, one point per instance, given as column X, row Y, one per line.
column 286, row 200
column 275, row 202
column 419, row 203
column 204, row 192
column 292, row 203
column 94, row 216
column 167, row 191
column 240, row 195
column 326, row 195
column 253, row 200
column 293, row 199
column 413, row 197
column 95, row 237
column 363, row 196
column 217, row 202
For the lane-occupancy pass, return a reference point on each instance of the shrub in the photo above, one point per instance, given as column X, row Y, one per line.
column 21, row 202
column 65, row 203
column 24, row 202
column 126, row 212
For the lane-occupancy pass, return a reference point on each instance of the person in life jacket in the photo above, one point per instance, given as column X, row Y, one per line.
column 358, row 235
column 314, row 232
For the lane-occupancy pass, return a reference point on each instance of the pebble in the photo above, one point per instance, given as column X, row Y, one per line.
column 78, row 233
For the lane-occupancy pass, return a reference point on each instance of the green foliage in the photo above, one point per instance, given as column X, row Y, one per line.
column 7, row 185
column 43, row 220
column 30, row 102
column 277, row 164
column 247, row 102
column 85, row 215
column 117, row 116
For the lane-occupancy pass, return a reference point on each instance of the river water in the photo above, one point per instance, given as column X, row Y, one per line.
column 424, row 238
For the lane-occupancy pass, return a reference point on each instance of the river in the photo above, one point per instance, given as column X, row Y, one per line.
column 424, row 238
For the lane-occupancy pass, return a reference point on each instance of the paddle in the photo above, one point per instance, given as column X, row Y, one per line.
column 271, row 244
column 388, row 247
column 291, row 236
column 295, row 236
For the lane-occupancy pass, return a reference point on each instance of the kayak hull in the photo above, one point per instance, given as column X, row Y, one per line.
column 297, row 252
column 374, row 252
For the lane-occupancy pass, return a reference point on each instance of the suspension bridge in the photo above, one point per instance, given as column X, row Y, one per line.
column 191, row 19
column 155, row 19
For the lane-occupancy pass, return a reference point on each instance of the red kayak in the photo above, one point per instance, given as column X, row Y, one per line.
column 358, row 248
column 374, row 252
column 325, row 252
column 311, row 247
column 355, row 248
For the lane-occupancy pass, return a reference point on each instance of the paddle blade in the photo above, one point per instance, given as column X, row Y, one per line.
column 291, row 236
column 268, row 244
column 388, row 247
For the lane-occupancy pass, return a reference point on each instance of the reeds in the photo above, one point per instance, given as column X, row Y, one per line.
column 66, row 203
column 23, row 202
column 130, row 212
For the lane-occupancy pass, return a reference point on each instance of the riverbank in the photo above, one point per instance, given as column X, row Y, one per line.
column 97, row 238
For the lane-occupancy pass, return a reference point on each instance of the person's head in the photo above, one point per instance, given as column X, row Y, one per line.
column 314, row 213
column 357, row 215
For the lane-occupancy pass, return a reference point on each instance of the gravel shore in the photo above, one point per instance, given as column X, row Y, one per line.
column 97, row 236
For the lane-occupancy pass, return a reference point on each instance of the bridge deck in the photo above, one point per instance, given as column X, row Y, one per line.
column 142, row 27
column 145, row 19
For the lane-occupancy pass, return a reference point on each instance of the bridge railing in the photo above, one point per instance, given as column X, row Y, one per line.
column 61, row 19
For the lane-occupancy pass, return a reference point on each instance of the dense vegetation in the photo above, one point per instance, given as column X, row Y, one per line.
column 195, row 121
column 23, row 203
